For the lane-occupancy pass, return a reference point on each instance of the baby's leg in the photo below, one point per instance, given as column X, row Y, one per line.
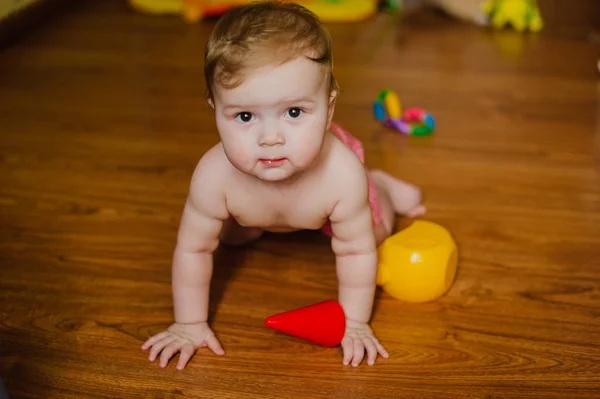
column 234, row 234
column 396, row 198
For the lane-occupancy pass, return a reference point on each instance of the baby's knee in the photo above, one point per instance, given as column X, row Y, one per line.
column 381, row 233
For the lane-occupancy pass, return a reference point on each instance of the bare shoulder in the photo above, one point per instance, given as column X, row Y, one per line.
column 345, row 172
column 207, row 187
column 212, row 165
column 351, row 220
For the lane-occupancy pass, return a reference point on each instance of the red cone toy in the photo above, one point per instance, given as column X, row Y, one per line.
column 323, row 323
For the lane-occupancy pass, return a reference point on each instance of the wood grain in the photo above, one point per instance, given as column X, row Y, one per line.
column 103, row 118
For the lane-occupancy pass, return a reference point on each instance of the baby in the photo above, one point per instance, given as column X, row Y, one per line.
column 281, row 166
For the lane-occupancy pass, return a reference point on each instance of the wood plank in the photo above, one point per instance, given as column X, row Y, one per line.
column 102, row 119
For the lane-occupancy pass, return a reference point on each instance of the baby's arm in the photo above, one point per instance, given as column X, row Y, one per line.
column 353, row 243
column 197, row 239
column 192, row 268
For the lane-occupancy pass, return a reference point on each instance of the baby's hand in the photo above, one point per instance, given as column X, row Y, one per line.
column 184, row 338
column 359, row 337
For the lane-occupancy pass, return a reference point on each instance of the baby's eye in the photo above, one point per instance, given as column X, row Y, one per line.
column 244, row 117
column 294, row 112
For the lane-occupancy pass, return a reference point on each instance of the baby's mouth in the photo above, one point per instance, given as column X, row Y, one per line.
column 272, row 161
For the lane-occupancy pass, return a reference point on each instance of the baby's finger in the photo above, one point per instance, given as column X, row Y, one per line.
column 371, row 350
column 152, row 340
column 347, row 347
column 382, row 351
column 159, row 346
column 184, row 357
column 213, row 343
column 169, row 351
column 359, row 353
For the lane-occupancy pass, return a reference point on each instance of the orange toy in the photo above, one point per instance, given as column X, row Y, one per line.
column 194, row 10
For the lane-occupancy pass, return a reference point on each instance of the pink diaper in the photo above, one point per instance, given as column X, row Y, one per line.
column 356, row 146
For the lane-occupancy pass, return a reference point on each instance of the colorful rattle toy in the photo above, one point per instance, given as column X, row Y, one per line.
column 387, row 109
column 418, row 264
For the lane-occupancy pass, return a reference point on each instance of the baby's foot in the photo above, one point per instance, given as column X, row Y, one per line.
column 405, row 198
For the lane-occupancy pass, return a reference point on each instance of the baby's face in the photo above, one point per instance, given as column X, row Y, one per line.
column 273, row 125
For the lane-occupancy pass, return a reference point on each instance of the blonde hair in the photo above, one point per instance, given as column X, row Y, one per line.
column 264, row 33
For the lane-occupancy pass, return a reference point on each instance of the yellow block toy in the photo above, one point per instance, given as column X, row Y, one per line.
column 418, row 264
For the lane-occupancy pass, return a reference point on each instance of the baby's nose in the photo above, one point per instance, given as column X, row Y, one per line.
column 271, row 137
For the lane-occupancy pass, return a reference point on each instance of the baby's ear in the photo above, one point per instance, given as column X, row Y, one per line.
column 211, row 103
column 332, row 99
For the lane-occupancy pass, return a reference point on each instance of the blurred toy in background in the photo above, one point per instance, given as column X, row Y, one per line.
column 465, row 10
column 195, row 10
column 520, row 14
column 411, row 122
column 191, row 10
column 341, row 10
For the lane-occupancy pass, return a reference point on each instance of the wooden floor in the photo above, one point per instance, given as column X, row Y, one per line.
column 102, row 120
